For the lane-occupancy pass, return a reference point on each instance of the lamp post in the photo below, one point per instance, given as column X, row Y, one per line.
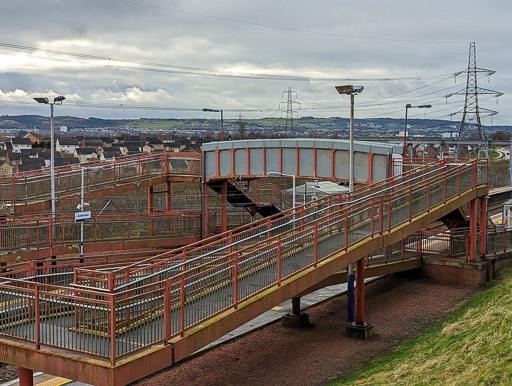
column 279, row 174
column 56, row 101
column 352, row 91
column 82, row 207
column 407, row 107
column 221, row 120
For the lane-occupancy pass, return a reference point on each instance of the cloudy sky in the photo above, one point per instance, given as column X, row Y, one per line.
column 170, row 59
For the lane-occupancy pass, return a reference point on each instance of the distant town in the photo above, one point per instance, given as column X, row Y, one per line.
column 25, row 140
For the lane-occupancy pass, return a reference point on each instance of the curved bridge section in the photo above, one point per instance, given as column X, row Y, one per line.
column 326, row 159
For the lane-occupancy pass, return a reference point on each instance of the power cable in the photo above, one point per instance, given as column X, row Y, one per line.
column 286, row 28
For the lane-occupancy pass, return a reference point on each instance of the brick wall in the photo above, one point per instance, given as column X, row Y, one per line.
column 450, row 271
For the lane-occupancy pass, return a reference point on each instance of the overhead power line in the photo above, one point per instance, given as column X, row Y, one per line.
column 141, row 65
column 292, row 29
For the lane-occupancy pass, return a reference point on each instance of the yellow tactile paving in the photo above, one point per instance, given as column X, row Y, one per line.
column 56, row 381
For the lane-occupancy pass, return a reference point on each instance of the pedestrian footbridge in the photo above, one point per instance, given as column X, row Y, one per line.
column 115, row 321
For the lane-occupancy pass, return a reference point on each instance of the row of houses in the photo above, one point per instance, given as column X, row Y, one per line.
column 20, row 154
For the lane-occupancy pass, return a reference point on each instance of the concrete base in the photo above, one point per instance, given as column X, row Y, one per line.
column 295, row 321
column 359, row 331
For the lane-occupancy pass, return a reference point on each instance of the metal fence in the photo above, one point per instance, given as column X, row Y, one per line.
column 26, row 186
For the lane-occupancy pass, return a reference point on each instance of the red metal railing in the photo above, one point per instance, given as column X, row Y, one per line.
column 26, row 186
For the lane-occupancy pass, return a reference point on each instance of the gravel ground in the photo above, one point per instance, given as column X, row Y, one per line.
column 8, row 372
column 399, row 307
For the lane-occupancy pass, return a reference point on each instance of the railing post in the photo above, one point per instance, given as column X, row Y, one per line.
column 182, row 294
column 37, row 316
column 410, row 203
column 372, row 216
column 167, row 312
column 389, row 213
column 346, row 229
column 381, row 215
column 428, row 195
column 279, row 260
column 444, row 187
column 235, row 281
column 113, row 329
column 315, row 244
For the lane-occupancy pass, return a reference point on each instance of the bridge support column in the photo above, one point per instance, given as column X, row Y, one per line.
column 350, row 294
column 168, row 206
column 295, row 318
column 204, row 189
column 473, row 219
column 359, row 329
column 224, row 196
column 483, row 226
column 150, row 199
column 26, row 377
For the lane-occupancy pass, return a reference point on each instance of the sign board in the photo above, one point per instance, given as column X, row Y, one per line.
column 83, row 216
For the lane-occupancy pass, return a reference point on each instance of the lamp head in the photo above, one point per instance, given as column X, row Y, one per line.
column 59, row 99
column 408, row 106
column 348, row 89
column 42, row 100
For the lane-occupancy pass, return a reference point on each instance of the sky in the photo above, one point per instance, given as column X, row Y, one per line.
column 171, row 59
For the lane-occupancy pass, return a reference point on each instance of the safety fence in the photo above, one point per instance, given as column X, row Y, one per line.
column 26, row 186
column 111, row 312
column 455, row 243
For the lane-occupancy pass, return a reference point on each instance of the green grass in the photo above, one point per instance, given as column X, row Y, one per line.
column 473, row 346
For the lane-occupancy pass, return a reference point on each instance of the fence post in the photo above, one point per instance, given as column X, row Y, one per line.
column 167, row 312
column 37, row 316
column 112, row 329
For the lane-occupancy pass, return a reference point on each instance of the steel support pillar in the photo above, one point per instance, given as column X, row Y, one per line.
column 350, row 293
column 473, row 219
column 150, row 199
column 359, row 329
column 168, row 206
column 483, row 226
column 295, row 318
column 224, row 197
column 205, row 210
column 26, row 377
column 360, row 291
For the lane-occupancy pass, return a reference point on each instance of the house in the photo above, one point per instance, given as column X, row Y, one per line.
column 34, row 137
column 85, row 154
column 66, row 161
column 94, row 143
column 30, row 164
column 109, row 155
column 21, row 143
column 66, row 145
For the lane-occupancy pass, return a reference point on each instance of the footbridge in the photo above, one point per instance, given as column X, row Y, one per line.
column 113, row 322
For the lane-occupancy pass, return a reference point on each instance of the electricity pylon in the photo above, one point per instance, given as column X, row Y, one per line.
column 471, row 125
column 289, row 109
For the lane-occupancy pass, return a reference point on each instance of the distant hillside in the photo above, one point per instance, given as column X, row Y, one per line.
column 336, row 125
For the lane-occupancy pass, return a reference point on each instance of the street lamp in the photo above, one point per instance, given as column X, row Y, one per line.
column 407, row 107
column 82, row 207
column 352, row 91
column 221, row 120
column 56, row 101
column 279, row 174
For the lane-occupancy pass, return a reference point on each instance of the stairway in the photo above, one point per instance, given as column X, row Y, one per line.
column 241, row 194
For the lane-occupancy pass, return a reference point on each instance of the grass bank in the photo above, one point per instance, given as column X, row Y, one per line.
column 472, row 346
